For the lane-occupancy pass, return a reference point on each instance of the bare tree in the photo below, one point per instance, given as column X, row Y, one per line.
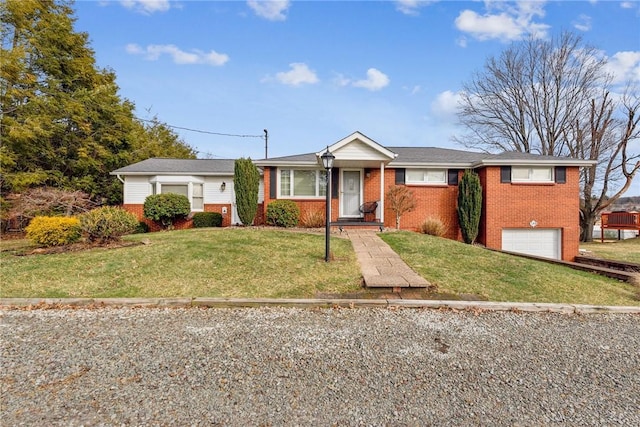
column 555, row 98
column 605, row 136
column 400, row 200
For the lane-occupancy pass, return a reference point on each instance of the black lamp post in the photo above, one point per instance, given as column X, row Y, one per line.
column 327, row 163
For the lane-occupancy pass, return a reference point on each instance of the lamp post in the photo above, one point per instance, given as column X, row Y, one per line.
column 327, row 163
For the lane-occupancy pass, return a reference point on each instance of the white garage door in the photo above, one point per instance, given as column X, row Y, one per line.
column 532, row 241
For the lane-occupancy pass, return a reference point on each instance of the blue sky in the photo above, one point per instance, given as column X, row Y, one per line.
column 312, row 72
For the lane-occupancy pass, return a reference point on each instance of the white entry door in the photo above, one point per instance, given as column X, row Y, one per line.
column 543, row 242
column 350, row 193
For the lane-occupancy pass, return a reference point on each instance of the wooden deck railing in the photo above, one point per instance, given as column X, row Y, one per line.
column 619, row 221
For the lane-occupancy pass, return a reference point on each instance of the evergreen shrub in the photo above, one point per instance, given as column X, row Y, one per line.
column 107, row 223
column 283, row 213
column 54, row 230
column 166, row 208
column 207, row 219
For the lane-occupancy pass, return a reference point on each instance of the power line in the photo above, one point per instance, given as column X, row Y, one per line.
column 202, row 131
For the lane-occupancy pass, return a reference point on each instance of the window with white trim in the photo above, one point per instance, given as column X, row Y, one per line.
column 426, row 176
column 531, row 174
column 303, row 183
column 193, row 191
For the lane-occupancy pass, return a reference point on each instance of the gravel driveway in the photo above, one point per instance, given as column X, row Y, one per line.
column 284, row 366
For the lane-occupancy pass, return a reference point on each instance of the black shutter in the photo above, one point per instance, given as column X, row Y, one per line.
column 561, row 174
column 452, row 176
column 505, row 173
column 335, row 185
column 273, row 182
column 400, row 176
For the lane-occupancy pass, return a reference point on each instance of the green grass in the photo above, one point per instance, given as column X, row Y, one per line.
column 233, row 263
column 266, row 263
column 459, row 268
column 619, row 250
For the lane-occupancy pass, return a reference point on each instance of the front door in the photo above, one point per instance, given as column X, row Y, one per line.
column 350, row 193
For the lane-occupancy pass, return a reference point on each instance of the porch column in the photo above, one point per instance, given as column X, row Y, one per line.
column 381, row 204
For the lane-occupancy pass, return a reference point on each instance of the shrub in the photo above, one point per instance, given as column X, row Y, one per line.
column 107, row 223
column 313, row 219
column 283, row 213
column 433, row 227
column 469, row 205
column 166, row 208
column 54, row 230
column 142, row 227
column 207, row 219
column 246, row 182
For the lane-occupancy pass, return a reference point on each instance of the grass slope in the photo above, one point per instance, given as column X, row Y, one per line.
column 230, row 263
column 460, row 268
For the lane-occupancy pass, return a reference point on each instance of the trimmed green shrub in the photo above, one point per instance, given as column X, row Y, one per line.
column 283, row 213
column 246, row 182
column 207, row 219
column 469, row 205
column 166, row 208
column 107, row 223
column 54, row 230
column 142, row 228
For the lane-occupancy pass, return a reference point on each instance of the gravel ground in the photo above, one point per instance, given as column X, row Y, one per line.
column 281, row 366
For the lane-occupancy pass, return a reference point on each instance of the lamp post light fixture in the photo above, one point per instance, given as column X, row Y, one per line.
column 327, row 163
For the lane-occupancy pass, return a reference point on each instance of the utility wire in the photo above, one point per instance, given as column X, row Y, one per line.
column 201, row 131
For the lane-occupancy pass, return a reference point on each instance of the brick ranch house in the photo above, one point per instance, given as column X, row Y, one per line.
column 530, row 202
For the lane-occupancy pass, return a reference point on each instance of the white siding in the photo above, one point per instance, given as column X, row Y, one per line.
column 136, row 189
column 212, row 192
column 358, row 150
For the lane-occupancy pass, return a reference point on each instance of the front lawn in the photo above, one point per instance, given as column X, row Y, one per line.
column 234, row 263
column 459, row 268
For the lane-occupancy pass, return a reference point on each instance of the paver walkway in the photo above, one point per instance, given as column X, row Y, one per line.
column 381, row 266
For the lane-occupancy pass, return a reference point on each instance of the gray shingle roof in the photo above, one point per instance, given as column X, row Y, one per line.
column 434, row 155
column 179, row 166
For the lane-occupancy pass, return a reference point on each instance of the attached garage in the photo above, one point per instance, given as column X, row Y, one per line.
column 544, row 242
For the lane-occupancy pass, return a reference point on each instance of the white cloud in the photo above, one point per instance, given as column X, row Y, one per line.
column 627, row 5
column 154, row 51
column 625, row 66
column 410, row 7
column 446, row 104
column 147, row 6
column 341, row 80
column 583, row 23
column 273, row 10
column 299, row 74
column 504, row 21
column 375, row 80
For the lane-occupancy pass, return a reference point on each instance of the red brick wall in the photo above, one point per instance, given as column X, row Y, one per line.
column 138, row 210
column 508, row 205
column 431, row 202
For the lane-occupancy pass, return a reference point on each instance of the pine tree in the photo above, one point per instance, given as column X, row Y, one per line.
column 246, row 182
column 469, row 205
column 62, row 122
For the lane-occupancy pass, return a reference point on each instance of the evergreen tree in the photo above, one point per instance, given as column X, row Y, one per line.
column 469, row 205
column 62, row 122
column 246, row 181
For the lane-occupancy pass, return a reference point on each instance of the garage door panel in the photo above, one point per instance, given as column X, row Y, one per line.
column 538, row 242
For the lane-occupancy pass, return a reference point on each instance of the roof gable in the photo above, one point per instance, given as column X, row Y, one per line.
column 358, row 146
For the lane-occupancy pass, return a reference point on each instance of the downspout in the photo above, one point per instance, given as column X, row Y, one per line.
column 121, row 180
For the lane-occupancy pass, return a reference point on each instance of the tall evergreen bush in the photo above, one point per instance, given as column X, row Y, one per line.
column 469, row 205
column 246, row 181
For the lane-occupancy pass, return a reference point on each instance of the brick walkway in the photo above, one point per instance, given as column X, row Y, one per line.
column 381, row 266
